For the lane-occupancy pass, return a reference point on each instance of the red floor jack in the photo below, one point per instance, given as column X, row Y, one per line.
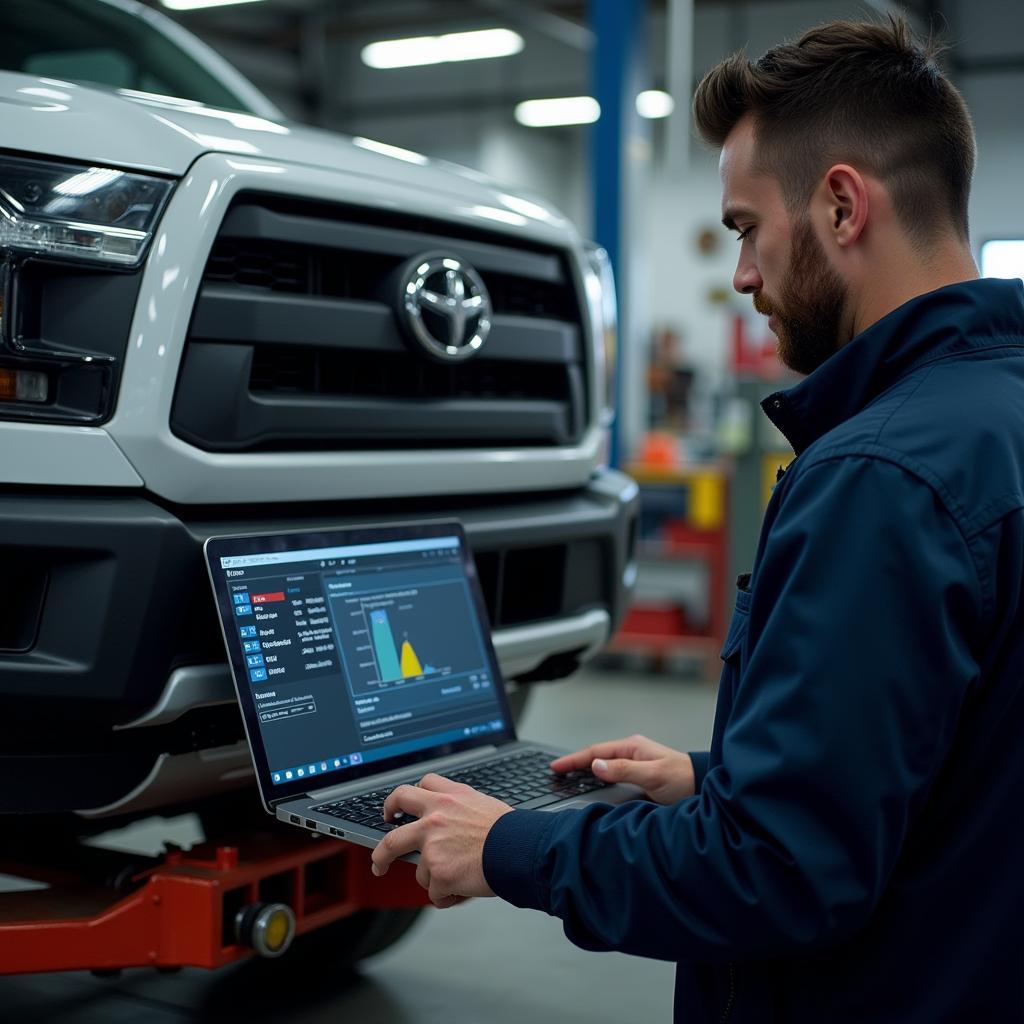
column 209, row 907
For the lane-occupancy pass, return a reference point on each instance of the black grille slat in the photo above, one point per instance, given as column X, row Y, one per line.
column 355, row 275
column 290, row 370
column 370, row 375
column 297, row 319
column 345, row 228
column 286, row 270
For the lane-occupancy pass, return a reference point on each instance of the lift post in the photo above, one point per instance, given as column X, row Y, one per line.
column 183, row 911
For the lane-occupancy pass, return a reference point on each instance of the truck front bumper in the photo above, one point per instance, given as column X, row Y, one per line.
column 113, row 685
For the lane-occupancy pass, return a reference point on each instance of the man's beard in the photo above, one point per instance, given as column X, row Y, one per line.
column 810, row 306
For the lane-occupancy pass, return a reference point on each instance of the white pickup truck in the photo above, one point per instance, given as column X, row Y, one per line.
column 216, row 321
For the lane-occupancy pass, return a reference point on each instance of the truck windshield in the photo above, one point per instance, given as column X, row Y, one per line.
column 96, row 43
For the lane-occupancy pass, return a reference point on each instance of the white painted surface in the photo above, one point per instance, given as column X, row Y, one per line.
column 32, row 453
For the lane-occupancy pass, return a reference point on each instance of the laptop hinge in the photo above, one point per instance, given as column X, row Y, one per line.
column 418, row 770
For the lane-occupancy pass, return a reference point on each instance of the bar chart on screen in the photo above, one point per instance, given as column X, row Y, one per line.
column 390, row 664
column 402, row 637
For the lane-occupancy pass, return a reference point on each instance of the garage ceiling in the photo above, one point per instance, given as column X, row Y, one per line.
column 305, row 53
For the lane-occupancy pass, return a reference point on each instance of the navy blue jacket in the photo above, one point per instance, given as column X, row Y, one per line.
column 855, row 849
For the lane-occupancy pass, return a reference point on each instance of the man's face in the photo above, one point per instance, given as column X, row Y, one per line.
column 781, row 262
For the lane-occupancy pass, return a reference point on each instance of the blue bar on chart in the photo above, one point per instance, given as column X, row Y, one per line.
column 384, row 646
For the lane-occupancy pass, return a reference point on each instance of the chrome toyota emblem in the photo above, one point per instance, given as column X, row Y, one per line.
column 444, row 306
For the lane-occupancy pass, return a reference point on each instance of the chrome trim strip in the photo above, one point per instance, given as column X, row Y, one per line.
column 520, row 649
column 178, row 778
column 197, row 686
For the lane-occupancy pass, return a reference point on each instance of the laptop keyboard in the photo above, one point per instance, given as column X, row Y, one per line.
column 515, row 779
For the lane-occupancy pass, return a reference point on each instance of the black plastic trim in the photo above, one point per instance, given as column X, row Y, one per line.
column 71, row 322
column 316, row 283
column 227, row 314
column 248, row 220
column 257, row 421
column 215, row 410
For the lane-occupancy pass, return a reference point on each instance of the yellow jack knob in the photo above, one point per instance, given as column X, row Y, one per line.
column 267, row 927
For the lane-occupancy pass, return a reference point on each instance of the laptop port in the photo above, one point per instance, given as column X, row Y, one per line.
column 310, row 823
column 335, row 831
column 294, row 819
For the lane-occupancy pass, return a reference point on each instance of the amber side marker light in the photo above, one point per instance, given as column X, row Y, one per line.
column 23, row 386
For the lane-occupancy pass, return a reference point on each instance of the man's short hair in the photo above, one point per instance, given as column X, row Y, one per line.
column 864, row 93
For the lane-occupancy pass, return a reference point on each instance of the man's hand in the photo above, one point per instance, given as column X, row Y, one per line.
column 453, row 824
column 664, row 774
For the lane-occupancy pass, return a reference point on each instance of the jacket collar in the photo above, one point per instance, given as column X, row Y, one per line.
column 959, row 318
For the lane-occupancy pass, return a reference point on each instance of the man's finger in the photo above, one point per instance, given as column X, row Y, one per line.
column 433, row 783
column 440, row 898
column 578, row 759
column 641, row 773
column 410, row 799
column 423, row 875
column 581, row 760
column 397, row 844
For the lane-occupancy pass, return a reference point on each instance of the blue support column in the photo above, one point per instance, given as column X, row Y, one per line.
column 618, row 72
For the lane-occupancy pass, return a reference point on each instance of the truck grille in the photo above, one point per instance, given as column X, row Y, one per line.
column 295, row 342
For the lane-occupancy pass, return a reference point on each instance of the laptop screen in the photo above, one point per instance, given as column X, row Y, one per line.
column 356, row 651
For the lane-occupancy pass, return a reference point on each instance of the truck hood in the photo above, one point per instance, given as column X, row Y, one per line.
column 141, row 131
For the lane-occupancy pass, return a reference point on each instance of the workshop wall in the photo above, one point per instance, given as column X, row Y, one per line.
column 988, row 47
column 686, row 282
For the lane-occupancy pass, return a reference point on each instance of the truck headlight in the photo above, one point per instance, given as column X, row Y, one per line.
column 604, row 311
column 97, row 214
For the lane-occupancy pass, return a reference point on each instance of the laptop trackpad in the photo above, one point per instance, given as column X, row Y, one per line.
column 568, row 805
column 619, row 793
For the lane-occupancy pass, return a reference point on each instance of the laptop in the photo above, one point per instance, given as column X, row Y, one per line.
column 362, row 659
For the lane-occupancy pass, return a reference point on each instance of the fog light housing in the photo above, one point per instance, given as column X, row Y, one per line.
column 24, row 385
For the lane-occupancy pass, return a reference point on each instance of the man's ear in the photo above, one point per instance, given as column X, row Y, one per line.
column 846, row 196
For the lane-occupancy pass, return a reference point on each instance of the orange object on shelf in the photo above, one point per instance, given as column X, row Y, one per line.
column 659, row 449
column 705, row 484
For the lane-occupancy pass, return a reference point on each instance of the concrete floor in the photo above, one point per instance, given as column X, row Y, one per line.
column 481, row 962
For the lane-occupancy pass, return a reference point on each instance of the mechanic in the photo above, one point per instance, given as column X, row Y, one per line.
column 850, row 849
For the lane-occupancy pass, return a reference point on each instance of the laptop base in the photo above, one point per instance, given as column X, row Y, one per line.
column 307, row 813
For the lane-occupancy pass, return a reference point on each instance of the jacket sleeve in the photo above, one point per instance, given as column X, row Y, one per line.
column 858, row 661
column 700, row 759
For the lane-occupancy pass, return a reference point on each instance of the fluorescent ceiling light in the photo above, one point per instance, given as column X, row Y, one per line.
column 408, row 155
column 195, row 5
column 554, row 112
column 654, row 103
column 455, row 46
